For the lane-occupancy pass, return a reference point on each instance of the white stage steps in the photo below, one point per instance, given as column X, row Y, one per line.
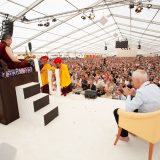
column 35, row 106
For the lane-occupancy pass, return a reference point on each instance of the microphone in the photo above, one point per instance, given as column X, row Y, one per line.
column 30, row 46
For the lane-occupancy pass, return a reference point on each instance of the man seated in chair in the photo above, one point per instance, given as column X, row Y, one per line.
column 146, row 98
column 7, row 55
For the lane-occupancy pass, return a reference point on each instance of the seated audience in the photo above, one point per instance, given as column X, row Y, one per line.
column 91, row 85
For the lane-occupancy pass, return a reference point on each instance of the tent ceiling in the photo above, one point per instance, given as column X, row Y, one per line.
column 70, row 33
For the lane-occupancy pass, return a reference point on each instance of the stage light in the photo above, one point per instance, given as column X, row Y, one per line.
column 91, row 15
column 54, row 20
column 83, row 17
column 149, row 6
column 47, row 24
column 139, row 8
column 40, row 24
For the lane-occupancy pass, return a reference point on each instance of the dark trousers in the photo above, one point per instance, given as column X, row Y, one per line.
column 67, row 89
column 124, row 133
column 45, row 88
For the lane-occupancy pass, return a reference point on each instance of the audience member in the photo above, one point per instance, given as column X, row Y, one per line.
column 146, row 97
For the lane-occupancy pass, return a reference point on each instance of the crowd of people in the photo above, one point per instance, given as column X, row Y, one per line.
column 108, row 76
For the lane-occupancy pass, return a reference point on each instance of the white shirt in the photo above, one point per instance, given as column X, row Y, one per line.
column 147, row 99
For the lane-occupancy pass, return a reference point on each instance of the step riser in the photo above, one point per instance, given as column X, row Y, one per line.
column 51, row 115
column 40, row 103
column 31, row 91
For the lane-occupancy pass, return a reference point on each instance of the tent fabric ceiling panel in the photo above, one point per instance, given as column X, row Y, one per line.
column 24, row 33
column 154, row 27
column 65, row 40
column 24, row 3
column 62, row 29
column 48, row 37
column 49, row 7
column 12, row 9
column 91, row 29
column 76, row 34
column 82, row 3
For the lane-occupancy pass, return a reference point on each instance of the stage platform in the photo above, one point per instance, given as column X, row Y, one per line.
column 84, row 130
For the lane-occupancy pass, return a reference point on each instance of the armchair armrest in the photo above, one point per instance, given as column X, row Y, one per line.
column 144, row 125
column 133, row 115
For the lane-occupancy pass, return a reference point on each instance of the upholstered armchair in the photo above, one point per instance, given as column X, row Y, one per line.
column 143, row 125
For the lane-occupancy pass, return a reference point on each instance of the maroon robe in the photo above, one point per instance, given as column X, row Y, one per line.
column 4, row 56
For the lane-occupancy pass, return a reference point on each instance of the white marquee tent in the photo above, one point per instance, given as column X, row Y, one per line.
column 68, row 33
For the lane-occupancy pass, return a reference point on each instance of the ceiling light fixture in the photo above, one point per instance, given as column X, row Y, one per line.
column 47, row 24
column 40, row 24
column 139, row 8
column 54, row 20
column 91, row 15
column 83, row 17
column 149, row 6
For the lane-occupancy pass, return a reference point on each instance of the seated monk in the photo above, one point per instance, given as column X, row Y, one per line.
column 7, row 55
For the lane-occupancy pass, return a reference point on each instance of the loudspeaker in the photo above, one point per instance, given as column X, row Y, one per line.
column 90, row 94
column 30, row 46
column 7, row 27
column 139, row 46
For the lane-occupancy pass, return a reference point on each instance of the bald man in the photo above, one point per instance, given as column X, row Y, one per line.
column 146, row 97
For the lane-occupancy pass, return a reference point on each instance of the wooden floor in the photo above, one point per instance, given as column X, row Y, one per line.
column 85, row 130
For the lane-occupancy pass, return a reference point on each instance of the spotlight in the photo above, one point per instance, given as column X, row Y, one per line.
column 54, row 20
column 46, row 24
column 83, row 17
column 149, row 6
column 91, row 15
column 139, row 8
column 40, row 24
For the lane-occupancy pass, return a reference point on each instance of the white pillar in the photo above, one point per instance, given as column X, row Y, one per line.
column 58, row 90
column 38, row 70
